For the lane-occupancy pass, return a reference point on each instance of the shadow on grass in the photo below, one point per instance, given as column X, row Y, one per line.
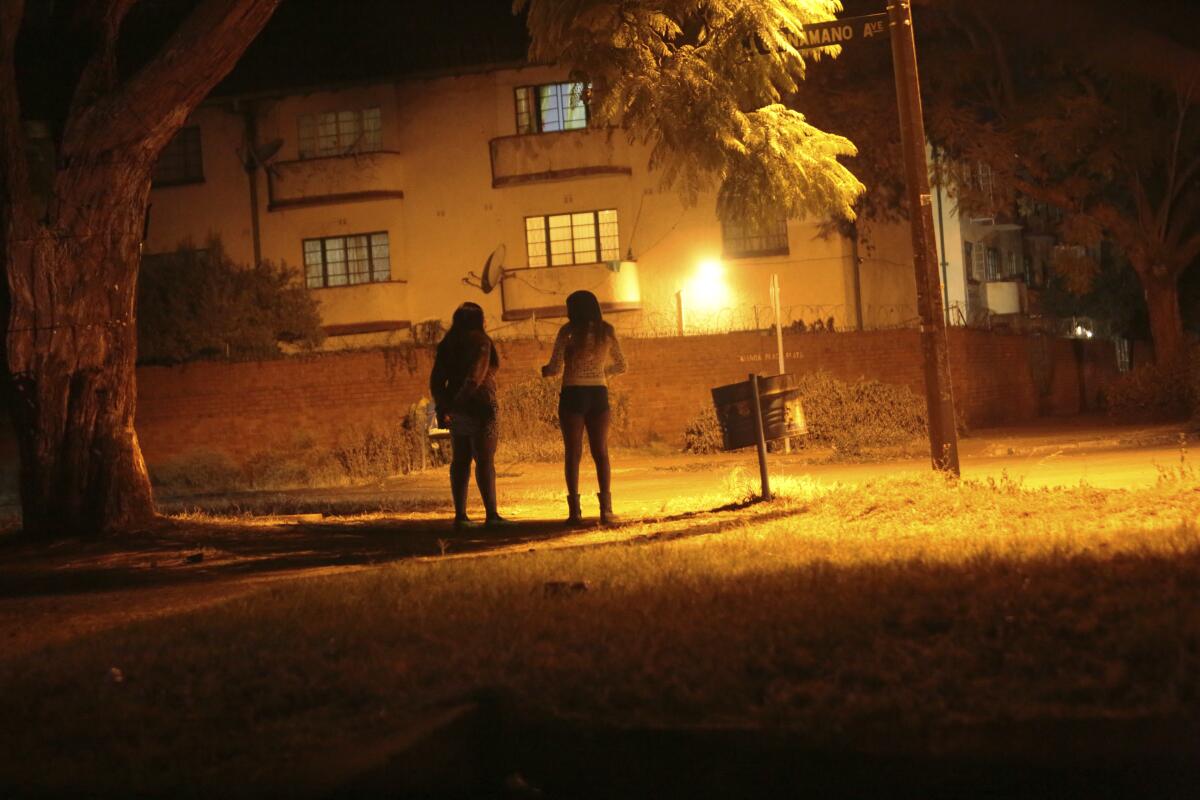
column 184, row 551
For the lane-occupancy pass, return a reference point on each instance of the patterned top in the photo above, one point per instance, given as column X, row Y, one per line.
column 589, row 359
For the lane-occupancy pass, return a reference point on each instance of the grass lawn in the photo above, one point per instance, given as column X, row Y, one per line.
column 905, row 604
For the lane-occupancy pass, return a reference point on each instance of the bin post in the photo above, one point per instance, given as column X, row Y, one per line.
column 761, row 437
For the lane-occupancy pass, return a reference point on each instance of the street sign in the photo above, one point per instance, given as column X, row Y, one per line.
column 834, row 32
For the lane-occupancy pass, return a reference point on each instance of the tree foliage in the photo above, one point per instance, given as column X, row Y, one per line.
column 197, row 303
column 703, row 84
column 1072, row 124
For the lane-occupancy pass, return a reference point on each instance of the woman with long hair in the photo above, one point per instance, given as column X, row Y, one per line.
column 587, row 352
column 463, row 387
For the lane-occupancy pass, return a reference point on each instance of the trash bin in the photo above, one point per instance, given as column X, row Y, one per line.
column 782, row 411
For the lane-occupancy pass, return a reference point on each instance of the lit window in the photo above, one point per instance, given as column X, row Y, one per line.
column 347, row 260
column 551, row 107
column 585, row 237
column 181, row 161
column 747, row 239
column 336, row 133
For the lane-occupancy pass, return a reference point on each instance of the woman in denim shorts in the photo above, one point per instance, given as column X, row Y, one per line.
column 463, row 386
column 587, row 352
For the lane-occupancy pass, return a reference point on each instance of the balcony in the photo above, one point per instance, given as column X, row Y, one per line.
column 542, row 291
column 537, row 157
column 334, row 179
column 1005, row 296
column 363, row 308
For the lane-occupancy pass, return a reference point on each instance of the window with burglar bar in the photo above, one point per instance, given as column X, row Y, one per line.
column 347, row 260
column 336, row 133
column 181, row 161
column 551, row 107
column 993, row 264
column 748, row 239
column 586, row 237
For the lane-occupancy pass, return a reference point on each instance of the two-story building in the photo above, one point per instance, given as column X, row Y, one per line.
column 390, row 197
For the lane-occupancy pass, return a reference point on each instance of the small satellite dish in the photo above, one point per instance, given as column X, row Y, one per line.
column 265, row 152
column 492, row 274
column 260, row 155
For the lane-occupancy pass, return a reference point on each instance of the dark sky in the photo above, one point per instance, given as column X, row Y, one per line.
column 315, row 41
column 310, row 42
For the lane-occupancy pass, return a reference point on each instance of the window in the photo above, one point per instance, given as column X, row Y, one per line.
column 586, row 237
column 336, row 133
column 181, row 160
column 347, row 260
column 746, row 239
column 993, row 264
column 1124, row 354
column 551, row 107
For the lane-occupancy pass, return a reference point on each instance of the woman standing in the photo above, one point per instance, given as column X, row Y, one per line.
column 463, row 386
column 587, row 352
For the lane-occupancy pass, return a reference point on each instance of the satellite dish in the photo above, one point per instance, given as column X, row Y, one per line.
column 265, row 152
column 492, row 274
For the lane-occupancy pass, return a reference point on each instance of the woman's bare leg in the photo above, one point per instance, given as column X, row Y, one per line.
column 460, row 474
column 597, row 430
column 572, row 431
column 484, row 449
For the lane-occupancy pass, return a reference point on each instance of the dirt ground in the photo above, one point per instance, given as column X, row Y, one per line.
column 192, row 558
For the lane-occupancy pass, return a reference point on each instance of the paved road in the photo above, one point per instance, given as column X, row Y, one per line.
column 1062, row 454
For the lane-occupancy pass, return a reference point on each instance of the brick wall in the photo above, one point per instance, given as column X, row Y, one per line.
column 244, row 408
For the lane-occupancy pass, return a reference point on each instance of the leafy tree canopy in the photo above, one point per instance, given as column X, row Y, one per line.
column 703, row 83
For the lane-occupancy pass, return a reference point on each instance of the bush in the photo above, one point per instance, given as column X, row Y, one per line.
column 863, row 414
column 377, row 451
column 201, row 472
column 368, row 452
column 529, row 420
column 703, row 434
column 196, row 303
column 850, row 417
column 1157, row 392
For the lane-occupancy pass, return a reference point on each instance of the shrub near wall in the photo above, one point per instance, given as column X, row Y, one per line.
column 1157, row 392
column 851, row 417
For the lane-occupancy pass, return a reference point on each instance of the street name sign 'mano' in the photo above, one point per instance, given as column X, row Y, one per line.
column 835, row 32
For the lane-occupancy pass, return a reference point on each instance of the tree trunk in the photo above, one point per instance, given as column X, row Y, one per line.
column 1166, row 322
column 71, row 349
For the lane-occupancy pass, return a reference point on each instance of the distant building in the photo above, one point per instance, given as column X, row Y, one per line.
column 389, row 194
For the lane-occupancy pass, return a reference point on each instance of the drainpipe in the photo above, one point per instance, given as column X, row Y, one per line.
column 942, row 239
column 858, row 314
column 250, row 122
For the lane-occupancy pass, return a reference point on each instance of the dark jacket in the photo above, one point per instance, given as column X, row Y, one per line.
column 463, row 377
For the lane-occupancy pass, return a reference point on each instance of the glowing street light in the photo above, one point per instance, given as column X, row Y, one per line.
column 707, row 290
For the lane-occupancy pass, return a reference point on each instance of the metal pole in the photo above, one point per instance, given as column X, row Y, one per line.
column 679, row 312
column 775, row 291
column 762, row 439
column 943, row 438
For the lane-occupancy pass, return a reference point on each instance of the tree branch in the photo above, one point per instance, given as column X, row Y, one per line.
column 1189, row 251
column 1003, row 67
column 152, row 104
column 100, row 22
column 14, row 171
